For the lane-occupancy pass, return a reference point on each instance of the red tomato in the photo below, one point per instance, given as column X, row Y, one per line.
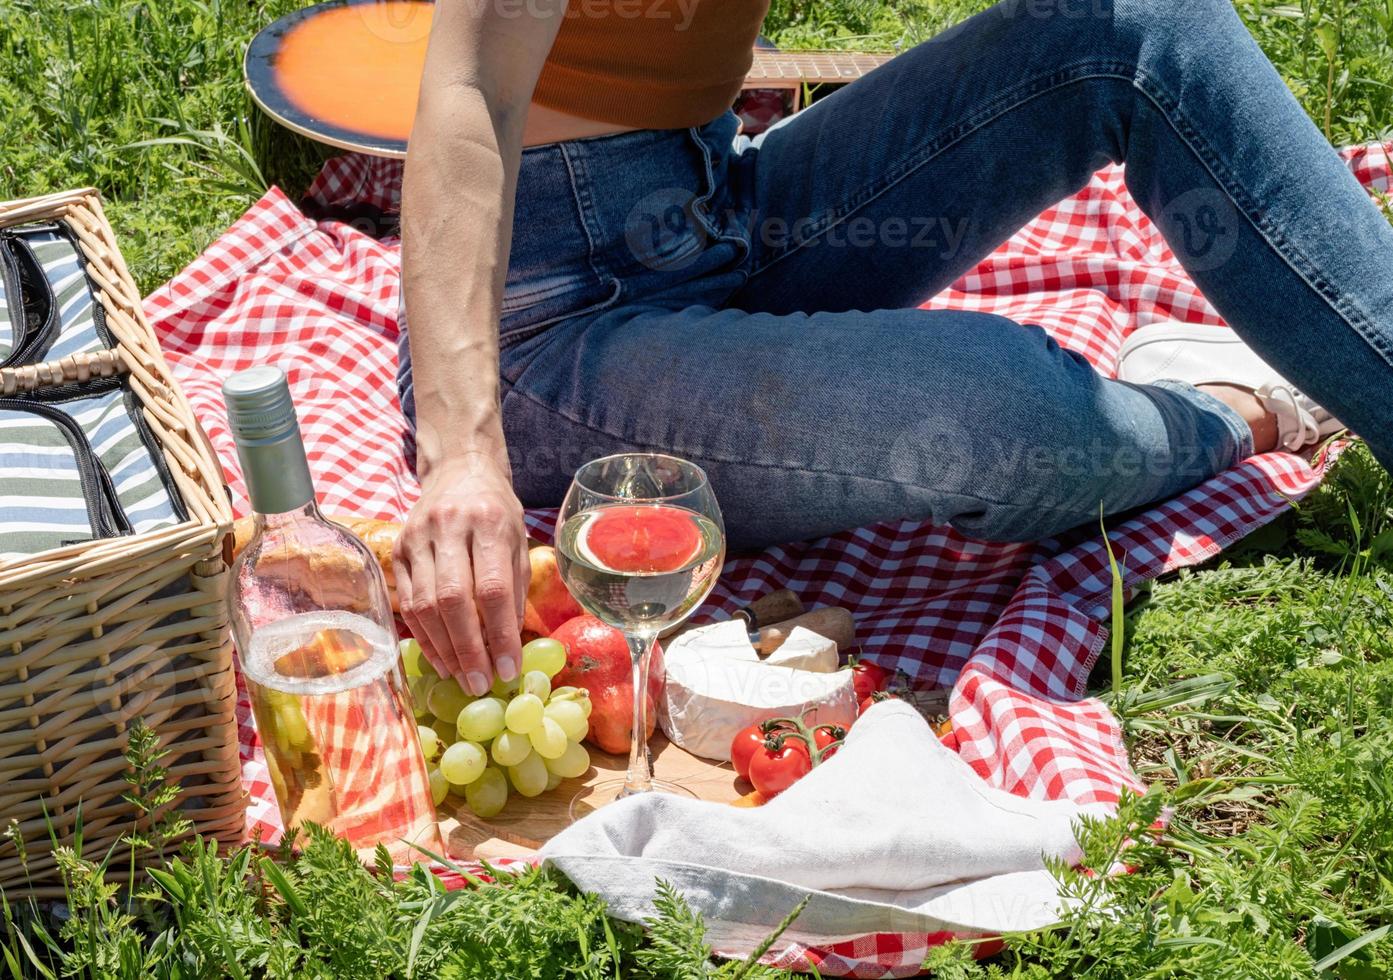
column 828, row 735
column 873, row 698
column 774, row 770
column 750, row 740
column 867, row 678
column 746, row 743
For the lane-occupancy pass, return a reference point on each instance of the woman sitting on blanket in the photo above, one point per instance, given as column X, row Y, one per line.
column 595, row 261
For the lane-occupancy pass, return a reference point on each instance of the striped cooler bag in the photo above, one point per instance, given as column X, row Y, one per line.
column 77, row 461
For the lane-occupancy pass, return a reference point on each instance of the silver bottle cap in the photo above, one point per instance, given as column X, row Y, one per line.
column 262, row 417
column 259, row 405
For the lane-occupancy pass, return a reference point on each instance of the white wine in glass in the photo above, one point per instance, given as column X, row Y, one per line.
column 640, row 545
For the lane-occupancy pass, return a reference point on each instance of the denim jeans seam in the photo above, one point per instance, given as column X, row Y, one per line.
column 701, row 203
column 778, row 467
column 707, row 161
column 1015, row 99
column 545, row 292
column 581, row 196
column 580, row 191
column 1169, row 108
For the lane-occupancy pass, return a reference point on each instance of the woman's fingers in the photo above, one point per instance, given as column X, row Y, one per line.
column 403, row 577
column 428, row 631
column 418, row 609
column 496, row 590
column 457, row 608
column 463, row 561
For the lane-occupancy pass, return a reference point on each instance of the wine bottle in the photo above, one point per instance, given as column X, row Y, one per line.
column 317, row 645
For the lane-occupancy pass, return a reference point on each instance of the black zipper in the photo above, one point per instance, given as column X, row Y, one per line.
column 105, row 520
column 78, row 390
column 14, row 303
column 72, row 389
column 37, row 345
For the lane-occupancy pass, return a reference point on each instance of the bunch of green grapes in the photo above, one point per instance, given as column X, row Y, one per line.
column 521, row 733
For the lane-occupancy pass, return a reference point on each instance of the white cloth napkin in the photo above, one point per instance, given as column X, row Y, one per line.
column 894, row 833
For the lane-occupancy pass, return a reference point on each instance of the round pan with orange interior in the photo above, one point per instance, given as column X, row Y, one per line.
column 347, row 72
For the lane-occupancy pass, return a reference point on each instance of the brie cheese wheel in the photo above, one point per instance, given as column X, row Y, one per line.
column 714, row 688
column 806, row 650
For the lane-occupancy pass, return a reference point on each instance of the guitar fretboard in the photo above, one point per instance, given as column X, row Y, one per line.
column 777, row 68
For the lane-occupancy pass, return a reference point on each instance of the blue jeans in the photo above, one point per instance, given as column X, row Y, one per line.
column 750, row 304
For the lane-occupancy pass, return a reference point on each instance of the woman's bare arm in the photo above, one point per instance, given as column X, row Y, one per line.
column 462, row 563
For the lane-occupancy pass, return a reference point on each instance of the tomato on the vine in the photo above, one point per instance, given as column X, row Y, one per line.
column 746, row 743
column 750, row 740
column 828, row 738
column 773, row 770
column 867, row 678
column 873, row 698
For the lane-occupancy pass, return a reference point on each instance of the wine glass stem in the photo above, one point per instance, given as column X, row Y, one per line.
column 640, row 776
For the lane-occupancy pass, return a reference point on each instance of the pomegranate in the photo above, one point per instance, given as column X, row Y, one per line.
column 597, row 659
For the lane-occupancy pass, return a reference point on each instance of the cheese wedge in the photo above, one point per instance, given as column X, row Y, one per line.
column 806, row 650
column 728, row 640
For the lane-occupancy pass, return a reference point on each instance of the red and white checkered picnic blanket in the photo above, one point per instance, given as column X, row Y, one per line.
column 1014, row 629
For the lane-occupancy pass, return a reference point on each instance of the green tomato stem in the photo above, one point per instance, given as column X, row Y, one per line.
column 774, row 739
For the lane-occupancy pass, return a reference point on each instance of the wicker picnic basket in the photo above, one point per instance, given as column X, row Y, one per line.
column 96, row 635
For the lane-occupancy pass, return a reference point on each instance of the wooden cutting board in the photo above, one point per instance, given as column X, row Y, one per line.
column 525, row 824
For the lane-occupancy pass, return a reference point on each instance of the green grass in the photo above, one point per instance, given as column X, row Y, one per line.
column 1257, row 692
column 84, row 84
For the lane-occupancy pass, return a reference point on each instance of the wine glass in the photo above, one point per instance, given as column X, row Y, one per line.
column 640, row 545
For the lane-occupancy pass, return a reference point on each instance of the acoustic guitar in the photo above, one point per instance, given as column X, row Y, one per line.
column 346, row 72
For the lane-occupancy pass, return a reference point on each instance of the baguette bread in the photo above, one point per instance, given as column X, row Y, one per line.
column 312, row 565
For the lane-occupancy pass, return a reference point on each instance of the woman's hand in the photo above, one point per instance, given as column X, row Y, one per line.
column 462, row 572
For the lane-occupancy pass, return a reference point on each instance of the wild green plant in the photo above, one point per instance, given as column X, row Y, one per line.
column 314, row 910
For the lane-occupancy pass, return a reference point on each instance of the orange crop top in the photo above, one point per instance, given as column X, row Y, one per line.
column 651, row 64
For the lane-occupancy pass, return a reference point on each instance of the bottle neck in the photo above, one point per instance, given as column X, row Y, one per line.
column 309, row 512
column 277, row 474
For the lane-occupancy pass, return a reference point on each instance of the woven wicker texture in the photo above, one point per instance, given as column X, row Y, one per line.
column 97, row 635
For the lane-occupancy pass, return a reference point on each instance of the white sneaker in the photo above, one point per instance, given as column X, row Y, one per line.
column 1200, row 355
